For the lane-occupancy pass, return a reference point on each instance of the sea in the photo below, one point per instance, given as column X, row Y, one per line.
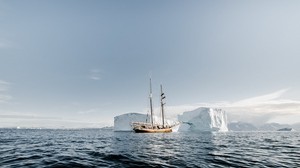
column 106, row 148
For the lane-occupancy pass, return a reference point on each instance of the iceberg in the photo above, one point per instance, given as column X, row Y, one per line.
column 203, row 119
column 123, row 122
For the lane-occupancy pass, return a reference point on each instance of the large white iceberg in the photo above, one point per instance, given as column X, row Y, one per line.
column 203, row 119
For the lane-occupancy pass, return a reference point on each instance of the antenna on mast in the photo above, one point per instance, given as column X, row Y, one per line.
column 151, row 108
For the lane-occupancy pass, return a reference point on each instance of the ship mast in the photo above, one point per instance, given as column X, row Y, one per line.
column 151, row 108
column 162, row 96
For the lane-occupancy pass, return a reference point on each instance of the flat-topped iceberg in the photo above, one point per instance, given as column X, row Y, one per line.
column 123, row 122
column 203, row 119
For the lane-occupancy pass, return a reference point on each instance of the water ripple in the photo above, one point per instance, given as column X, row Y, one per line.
column 98, row 148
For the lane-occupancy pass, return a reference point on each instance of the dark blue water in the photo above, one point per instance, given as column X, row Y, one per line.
column 104, row 148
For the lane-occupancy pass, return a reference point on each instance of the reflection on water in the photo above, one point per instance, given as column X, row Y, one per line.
column 176, row 149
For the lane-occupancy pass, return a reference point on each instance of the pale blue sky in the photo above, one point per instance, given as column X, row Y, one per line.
column 87, row 61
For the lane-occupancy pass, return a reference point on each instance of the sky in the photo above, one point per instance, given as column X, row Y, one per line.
column 76, row 63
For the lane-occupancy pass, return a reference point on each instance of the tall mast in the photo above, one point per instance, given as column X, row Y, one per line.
column 151, row 108
column 162, row 96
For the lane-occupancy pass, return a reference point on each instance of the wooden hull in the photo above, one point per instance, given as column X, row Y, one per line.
column 163, row 130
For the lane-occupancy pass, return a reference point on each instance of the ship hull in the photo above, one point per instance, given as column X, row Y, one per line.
column 163, row 130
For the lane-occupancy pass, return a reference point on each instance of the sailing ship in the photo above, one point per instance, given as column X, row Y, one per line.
column 146, row 127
